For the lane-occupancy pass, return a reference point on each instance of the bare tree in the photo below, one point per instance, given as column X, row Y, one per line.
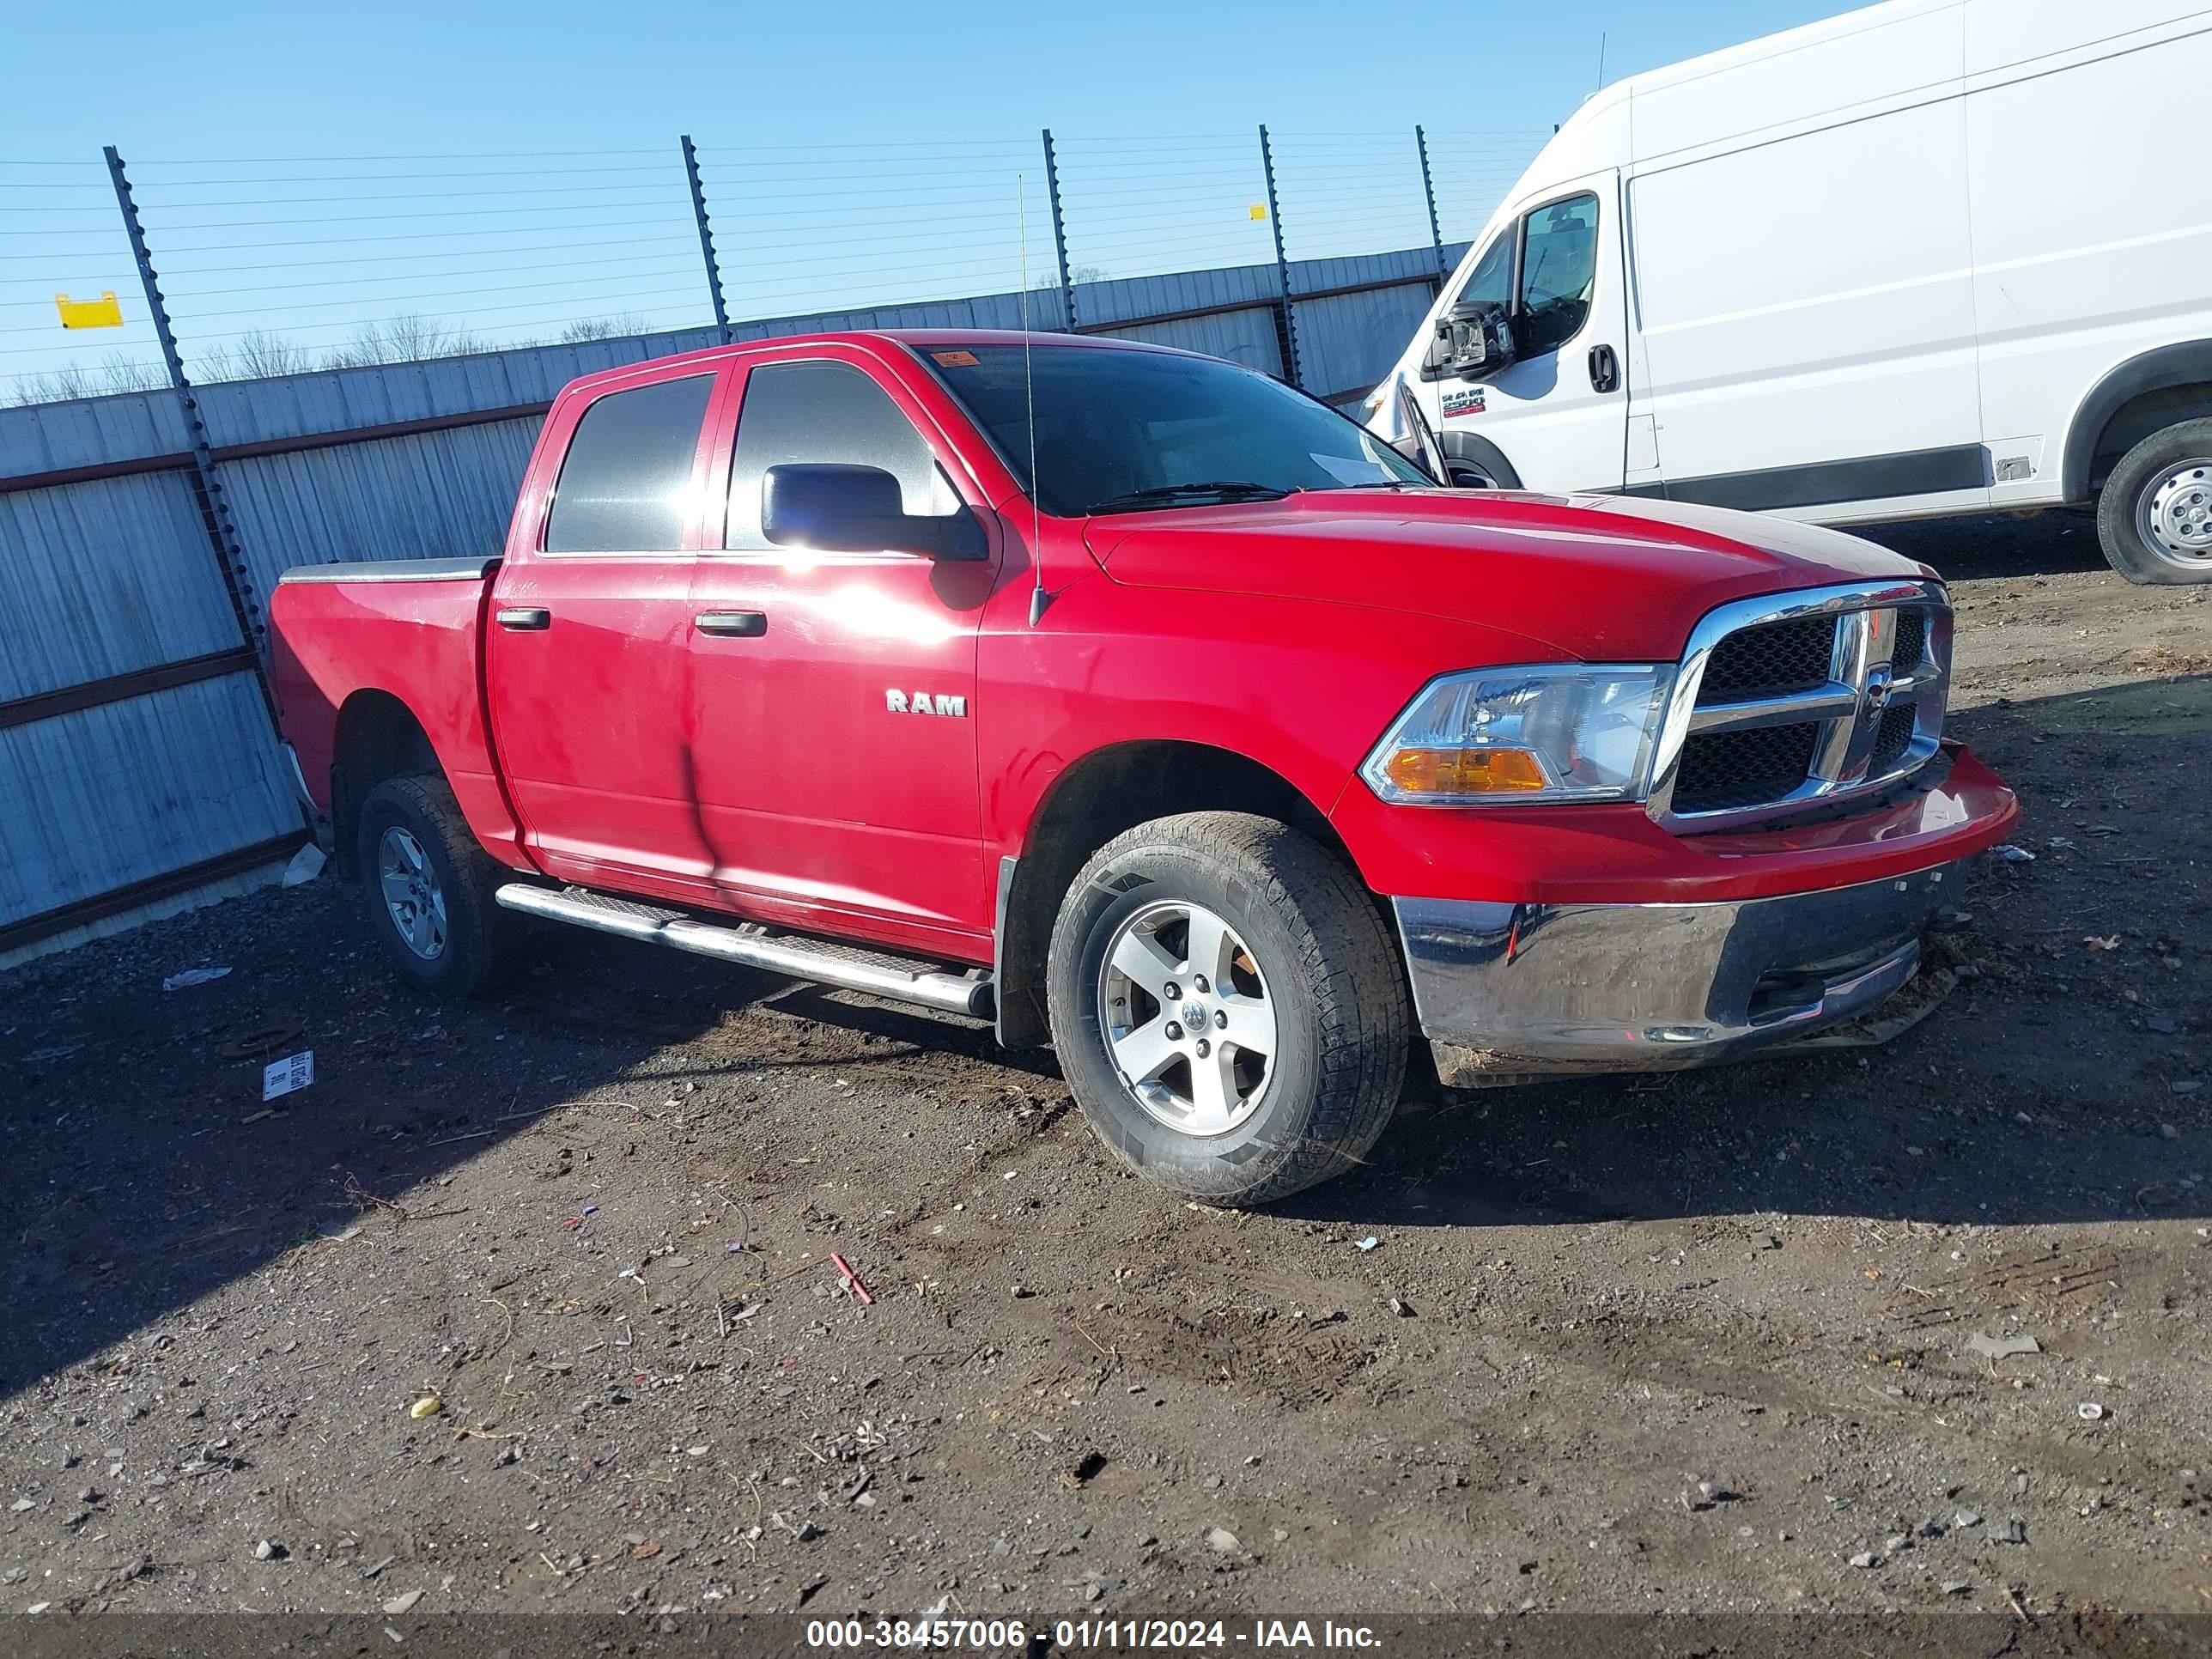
column 622, row 327
column 408, row 338
column 257, row 355
column 1078, row 275
column 112, row 374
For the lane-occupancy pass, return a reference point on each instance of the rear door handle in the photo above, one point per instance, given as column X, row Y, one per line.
column 1604, row 368
column 732, row 624
column 524, row 619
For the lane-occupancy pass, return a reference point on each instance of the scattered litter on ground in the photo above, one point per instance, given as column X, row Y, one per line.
column 402, row 1603
column 254, row 1045
column 2010, row 854
column 192, row 976
column 1221, row 1541
column 2002, row 1348
column 307, row 864
column 428, row 1406
column 2089, row 1412
column 1367, row 1243
column 2108, row 942
column 851, row 1279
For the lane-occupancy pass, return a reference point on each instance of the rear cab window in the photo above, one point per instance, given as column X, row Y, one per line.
column 625, row 483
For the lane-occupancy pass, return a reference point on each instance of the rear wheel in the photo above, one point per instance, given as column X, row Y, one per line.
column 1228, row 1007
column 428, row 890
column 2154, row 517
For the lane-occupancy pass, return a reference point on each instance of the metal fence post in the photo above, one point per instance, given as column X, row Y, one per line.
column 706, row 239
column 1429, row 190
column 1282, row 264
column 1059, row 230
column 207, row 487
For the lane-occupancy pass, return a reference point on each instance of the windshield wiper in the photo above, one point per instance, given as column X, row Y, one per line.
column 1213, row 489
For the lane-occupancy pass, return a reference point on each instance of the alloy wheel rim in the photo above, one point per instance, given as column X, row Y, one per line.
column 2174, row 516
column 412, row 896
column 1189, row 1024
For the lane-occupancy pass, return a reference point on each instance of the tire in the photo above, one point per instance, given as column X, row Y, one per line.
column 2155, row 516
column 1471, row 475
column 463, row 943
column 1305, row 946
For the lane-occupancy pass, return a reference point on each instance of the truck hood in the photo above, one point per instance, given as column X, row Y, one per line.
column 1603, row 578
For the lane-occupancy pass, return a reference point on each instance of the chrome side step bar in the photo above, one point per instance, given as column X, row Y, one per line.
column 849, row 969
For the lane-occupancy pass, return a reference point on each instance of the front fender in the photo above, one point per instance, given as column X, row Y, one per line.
column 1303, row 689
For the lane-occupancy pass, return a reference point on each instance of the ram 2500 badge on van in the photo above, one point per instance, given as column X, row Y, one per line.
column 1184, row 724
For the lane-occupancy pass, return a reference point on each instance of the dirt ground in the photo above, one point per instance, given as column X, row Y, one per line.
column 1694, row 1343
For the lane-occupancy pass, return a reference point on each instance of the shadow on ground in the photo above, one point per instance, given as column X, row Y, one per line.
column 142, row 1172
column 2061, row 540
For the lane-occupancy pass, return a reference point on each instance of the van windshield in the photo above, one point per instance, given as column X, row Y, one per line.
column 1120, row 431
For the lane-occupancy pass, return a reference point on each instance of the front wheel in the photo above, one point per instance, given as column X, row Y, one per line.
column 2154, row 517
column 1228, row 1007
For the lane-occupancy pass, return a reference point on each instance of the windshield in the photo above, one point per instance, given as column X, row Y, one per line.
column 1117, row 431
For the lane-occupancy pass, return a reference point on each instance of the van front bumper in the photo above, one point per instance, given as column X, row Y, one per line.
column 1505, row 988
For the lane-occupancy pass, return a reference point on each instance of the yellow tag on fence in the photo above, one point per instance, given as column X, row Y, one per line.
column 106, row 312
column 1259, row 212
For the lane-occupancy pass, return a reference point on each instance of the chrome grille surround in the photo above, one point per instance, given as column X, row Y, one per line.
column 1867, row 679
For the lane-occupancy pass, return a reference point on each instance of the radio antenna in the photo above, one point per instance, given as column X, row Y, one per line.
column 1038, row 598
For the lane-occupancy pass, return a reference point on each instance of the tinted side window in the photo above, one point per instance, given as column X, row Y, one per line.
column 1558, row 268
column 625, row 483
column 825, row 412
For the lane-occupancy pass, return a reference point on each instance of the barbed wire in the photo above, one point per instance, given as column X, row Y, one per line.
column 486, row 249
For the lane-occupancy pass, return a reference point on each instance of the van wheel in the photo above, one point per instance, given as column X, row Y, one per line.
column 1228, row 1007
column 2154, row 518
column 1471, row 475
column 428, row 889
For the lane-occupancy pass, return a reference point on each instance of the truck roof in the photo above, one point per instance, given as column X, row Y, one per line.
column 918, row 338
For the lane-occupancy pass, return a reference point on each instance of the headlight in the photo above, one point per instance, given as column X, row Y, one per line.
column 1557, row 731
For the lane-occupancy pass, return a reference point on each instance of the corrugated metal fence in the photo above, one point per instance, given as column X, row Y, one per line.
column 139, row 770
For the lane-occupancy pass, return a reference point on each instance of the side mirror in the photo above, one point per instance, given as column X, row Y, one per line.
column 858, row 509
column 1475, row 341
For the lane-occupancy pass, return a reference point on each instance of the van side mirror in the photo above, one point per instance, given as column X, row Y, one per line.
column 858, row 509
column 1473, row 342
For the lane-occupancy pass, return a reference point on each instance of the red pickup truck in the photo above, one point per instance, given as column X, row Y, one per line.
column 1145, row 706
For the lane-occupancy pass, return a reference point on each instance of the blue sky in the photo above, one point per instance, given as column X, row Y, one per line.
column 507, row 169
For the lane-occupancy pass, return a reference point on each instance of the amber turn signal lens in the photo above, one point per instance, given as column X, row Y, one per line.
column 1465, row 771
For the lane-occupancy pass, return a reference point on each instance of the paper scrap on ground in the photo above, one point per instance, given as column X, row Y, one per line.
column 282, row 1077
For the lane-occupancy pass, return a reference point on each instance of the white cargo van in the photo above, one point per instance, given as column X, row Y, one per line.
column 1931, row 257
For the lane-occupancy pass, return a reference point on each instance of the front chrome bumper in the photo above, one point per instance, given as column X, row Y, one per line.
column 1505, row 988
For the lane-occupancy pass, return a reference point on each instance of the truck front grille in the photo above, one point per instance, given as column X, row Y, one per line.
column 1776, row 658
column 1794, row 703
column 1721, row 769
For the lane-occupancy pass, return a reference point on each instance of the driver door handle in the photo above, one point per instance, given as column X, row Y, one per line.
column 524, row 619
column 732, row 624
column 1604, row 368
